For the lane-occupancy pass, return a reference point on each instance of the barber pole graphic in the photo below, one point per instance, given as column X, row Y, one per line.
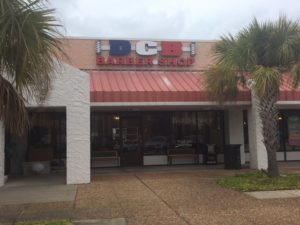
column 98, row 47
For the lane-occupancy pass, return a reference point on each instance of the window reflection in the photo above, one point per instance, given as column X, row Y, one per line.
column 211, row 130
column 47, row 137
column 156, row 133
column 289, row 130
column 105, row 132
column 184, row 129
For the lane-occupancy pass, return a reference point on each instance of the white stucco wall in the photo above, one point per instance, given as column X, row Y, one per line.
column 236, row 129
column 71, row 89
column 2, row 156
column 258, row 153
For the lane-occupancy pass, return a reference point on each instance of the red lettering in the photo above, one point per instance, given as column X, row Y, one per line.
column 120, row 61
column 162, row 62
column 149, row 61
column 110, row 61
column 130, row 60
column 171, row 48
column 172, row 62
column 181, row 62
column 139, row 61
column 190, row 61
column 100, row 60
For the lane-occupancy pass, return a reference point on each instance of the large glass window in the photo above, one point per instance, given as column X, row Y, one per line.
column 289, row 130
column 105, row 132
column 184, row 129
column 47, row 137
column 156, row 133
column 211, row 129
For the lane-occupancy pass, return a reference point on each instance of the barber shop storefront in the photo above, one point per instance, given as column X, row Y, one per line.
column 141, row 103
column 146, row 138
column 149, row 106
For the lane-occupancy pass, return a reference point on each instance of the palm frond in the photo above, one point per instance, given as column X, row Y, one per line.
column 13, row 111
column 287, row 38
column 295, row 74
column 28, row 44
column 222, row 83
column 29, row 48
column 264, row 78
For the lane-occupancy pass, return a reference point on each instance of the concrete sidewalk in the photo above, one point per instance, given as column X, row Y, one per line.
column 38, row 194
column 177, row 196
column 36, row 198
column 275, row 194
column 37, row 189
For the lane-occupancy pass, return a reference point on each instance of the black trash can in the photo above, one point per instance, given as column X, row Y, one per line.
column 232, row 156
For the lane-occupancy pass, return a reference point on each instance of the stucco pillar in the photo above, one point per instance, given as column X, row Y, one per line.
column 258, row 153
column 78, row 144
column 236, row 132
column 70, row 89
column 78, row 126
column 2, row 155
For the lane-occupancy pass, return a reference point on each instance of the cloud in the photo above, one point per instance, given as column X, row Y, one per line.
column 168, row 19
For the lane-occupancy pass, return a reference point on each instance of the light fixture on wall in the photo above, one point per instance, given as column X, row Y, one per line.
column 279, row 117
column 116, row 118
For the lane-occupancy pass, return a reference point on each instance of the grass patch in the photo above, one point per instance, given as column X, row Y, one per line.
column 259, row 181
column 46, row 222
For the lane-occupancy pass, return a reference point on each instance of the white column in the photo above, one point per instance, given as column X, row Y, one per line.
column 78, row 144
column 258, row 153
column 2, row 155
column 236, row 132
column 70, row 89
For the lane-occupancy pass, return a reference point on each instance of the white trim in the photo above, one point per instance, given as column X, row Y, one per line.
column 288, row 102
column 237, row 103
column 293, row 155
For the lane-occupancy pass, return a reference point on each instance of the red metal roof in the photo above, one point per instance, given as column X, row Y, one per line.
column 287, row 92
column 151, row 86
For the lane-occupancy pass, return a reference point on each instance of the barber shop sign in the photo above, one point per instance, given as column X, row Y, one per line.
column 146, row 53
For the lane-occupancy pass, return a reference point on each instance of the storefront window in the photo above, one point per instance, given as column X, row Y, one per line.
column 47, row 136
column 105, row 132
column 156, row 133
column 210, row 129
column 184, row 129
column 289, row 130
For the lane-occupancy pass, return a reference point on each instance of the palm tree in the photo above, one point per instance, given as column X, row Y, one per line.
column 28, row 53
column 260, row 53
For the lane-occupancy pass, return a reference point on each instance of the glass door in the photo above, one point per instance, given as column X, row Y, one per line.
column 131, row 140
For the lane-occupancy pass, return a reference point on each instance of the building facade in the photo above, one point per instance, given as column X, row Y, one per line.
column 132, row 103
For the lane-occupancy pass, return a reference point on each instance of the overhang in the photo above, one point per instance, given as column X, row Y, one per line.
column 152, row 86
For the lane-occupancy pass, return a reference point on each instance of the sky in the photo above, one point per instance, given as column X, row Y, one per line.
column 166, row 19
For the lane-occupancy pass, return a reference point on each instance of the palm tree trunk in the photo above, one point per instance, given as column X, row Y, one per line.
column 269, row 115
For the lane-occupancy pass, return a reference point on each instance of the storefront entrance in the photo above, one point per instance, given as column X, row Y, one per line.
column 42, row 149
column 147, row 138
column 131, row 154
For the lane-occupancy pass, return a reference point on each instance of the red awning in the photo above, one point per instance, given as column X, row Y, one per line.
column 151, row 86
column 287, row 92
